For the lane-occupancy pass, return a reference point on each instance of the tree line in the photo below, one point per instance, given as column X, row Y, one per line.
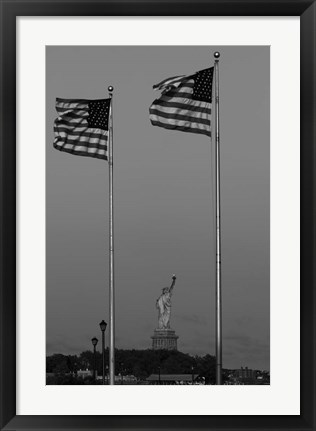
column 140, row 363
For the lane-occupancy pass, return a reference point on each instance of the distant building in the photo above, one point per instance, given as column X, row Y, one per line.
column 247, row 376
column 120, row 379
column 130, row 378
column 84, row 373
column 172, row 379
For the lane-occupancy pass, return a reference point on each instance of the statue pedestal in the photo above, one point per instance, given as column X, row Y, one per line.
column 165, row 339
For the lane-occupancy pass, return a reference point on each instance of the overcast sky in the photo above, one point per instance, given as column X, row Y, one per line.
column 163, row 204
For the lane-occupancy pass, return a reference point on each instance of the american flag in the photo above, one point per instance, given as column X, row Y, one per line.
column 185, row 103
column 81, row 127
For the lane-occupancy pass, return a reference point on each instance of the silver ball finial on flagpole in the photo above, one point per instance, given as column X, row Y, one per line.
column 110, row 90
column 217, row 54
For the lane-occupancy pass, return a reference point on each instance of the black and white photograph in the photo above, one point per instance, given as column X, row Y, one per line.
column 157, row 215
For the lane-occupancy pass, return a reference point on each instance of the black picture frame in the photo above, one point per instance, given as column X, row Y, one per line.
column 11, row 9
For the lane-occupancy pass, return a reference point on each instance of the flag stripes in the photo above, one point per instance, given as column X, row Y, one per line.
column 169, row 81
column 165, row 111
column 177, row 104
column 81, row 127
column 177, row 125
column 185, row 103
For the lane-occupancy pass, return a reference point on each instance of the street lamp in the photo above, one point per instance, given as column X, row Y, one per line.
column 122, row 373
column 103, row 326
column 107, row 374
column 94, row 343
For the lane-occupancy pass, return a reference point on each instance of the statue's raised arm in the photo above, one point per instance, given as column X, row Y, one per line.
column 173, row 282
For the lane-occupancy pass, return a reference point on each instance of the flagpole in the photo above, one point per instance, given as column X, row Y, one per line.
column 218, row 231
column 111, row 247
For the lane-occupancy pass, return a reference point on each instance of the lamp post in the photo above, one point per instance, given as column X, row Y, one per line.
column 192, row 369
column 103, row 326
column 107, row 374
column 94, row 343
column 122, row 373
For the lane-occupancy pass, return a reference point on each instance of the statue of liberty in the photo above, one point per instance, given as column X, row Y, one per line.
column 163, row 304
